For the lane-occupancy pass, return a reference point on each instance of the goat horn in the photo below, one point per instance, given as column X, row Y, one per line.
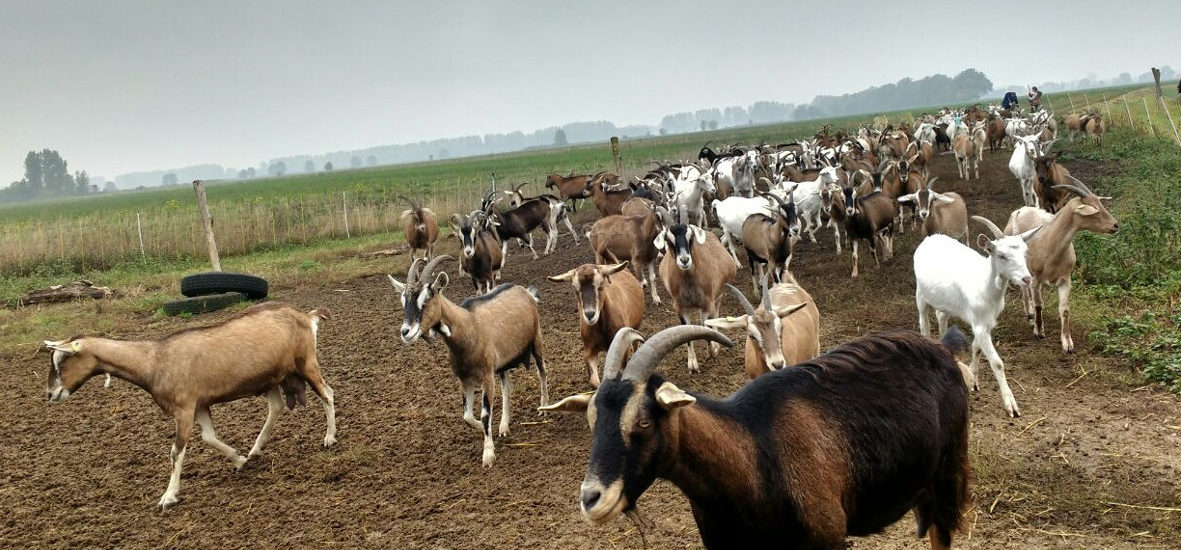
column 738, row 295
column 1081, row 184
column 991, row 226
column 412, row 273
column 429, row 270
column 613, row 363
column 766, row 292
column 1073, row 189
column 518, row 189
column 645, row 359
column 409, row 201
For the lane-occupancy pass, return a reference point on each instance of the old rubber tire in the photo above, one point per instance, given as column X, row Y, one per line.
column 216, row 282
column 203, row 304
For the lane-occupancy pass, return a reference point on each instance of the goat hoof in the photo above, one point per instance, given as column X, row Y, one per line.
column 240, row 462
column 167, row 501
column 329, row 440
column 503, row 431
column 489, row 458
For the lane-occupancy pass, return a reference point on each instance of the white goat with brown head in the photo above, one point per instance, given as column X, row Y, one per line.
column 487, row 336
column 609, row 299
column 268, row 349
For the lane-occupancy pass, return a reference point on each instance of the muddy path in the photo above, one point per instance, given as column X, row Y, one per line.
column 1074, row 471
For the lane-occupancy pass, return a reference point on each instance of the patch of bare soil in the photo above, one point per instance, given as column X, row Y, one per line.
column 1078, row 469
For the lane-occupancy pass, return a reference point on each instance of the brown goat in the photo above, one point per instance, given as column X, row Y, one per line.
column 694, row 270
column 628, row 238
column 1093, row 127
column 784, row 330
column 1051, row 256
column 570, row 187
column 607, row 198
column 995, row 130
column 268, row 349
column 636, row 206
column 420, row 226
column 1048, row 185
column 609, row 299
column 943, row 213
column 487, row 336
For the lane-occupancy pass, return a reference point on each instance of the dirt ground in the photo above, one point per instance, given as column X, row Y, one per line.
column 1076, row 470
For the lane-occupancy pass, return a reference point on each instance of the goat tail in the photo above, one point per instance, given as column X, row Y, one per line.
column 532, row 290
column 317, row 316
column 954, row 340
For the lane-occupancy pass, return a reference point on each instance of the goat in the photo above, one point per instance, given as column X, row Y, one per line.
column 268, row 349
column 941, row 213
column 570, row 188
column 551, row 210
column 732, row 212
column 420, row 226
column 689, row 188
column 609, row 299
column 784, row 330
column 968, row 148
column 629, row 238
column 608, row 199
column 802, row 457
column 957, row 281
column 636, row 206
column 1093, row 127
column 1051, row 253
column 487, row 336
column 1021, row 164
column 870, row 218
column 995, row 132
column 809, row 203
column 770, row 240
column 1051, row 181
column 693, row 271
column 832, row 200
column 482, row 255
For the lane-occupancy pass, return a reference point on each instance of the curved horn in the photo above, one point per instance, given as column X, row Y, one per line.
column 738, row 295
column 1081, row 184
column 931, row 182
column 412, row 273
column 425, row 274
column 613, row 363
column 413, row 205
column 644, row 360
column 991, row 226
column 1073, row 189
column 518, row 188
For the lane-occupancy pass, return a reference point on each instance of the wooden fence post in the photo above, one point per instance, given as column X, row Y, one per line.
column 617, row 156
column 1151, row 128
column 344, row 199
column 203, row 206
column 139, row 228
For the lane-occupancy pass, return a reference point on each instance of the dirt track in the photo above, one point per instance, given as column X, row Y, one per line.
column 407, row 472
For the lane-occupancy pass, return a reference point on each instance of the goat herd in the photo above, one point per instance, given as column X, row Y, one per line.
column 815, row 447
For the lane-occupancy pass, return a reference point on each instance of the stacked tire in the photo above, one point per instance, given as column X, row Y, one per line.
column 205, row 292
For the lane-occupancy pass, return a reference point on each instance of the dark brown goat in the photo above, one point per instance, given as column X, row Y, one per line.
column 608, row 197
column 1047, row 185
column 870, row 218
column 570, row 187
column 844, row 444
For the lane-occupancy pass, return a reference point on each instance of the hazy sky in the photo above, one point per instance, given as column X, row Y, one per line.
column 139, row 85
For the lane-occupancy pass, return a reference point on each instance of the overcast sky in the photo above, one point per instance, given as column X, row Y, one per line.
column 140, row 85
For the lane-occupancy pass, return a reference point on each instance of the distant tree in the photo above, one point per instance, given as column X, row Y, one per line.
column 47, row 175
column 109, row 187
column 82, row 183
column 309, row 166
column 327, row 166
column 713, row 125
column 371, row 160
column 559, row 137
column 277, row 169
column 443, row 153
column 704, row 125
column 355, row 161
column 168, row 180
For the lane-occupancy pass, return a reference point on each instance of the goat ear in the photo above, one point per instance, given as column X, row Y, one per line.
column 698, row 234
column 908, row 198
column 428, row 211
column 670, row 397
column 441, row 281
column 573, row 404
column 985, row 244
column 727, row 323
column 405, row 214
column 67, row 348
column 788, row 310
column 563, row 277
column 943, row 198
column 659, row 241
column 400, row 287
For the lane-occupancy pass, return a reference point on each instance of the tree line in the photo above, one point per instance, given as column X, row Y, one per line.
column 47, row 175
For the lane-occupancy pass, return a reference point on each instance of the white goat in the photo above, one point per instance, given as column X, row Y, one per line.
column 1026, row 149
column 957, row 281
column 807, row 198
column 689, row 187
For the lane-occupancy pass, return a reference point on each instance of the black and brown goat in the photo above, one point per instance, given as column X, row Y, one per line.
column 1050, row 183
column 482, row 252
column 841, row 445
column 609, row 299
column 420, row 226
column 695, row 269
column 770, row 240
column 487, row 336
column 870, row 218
